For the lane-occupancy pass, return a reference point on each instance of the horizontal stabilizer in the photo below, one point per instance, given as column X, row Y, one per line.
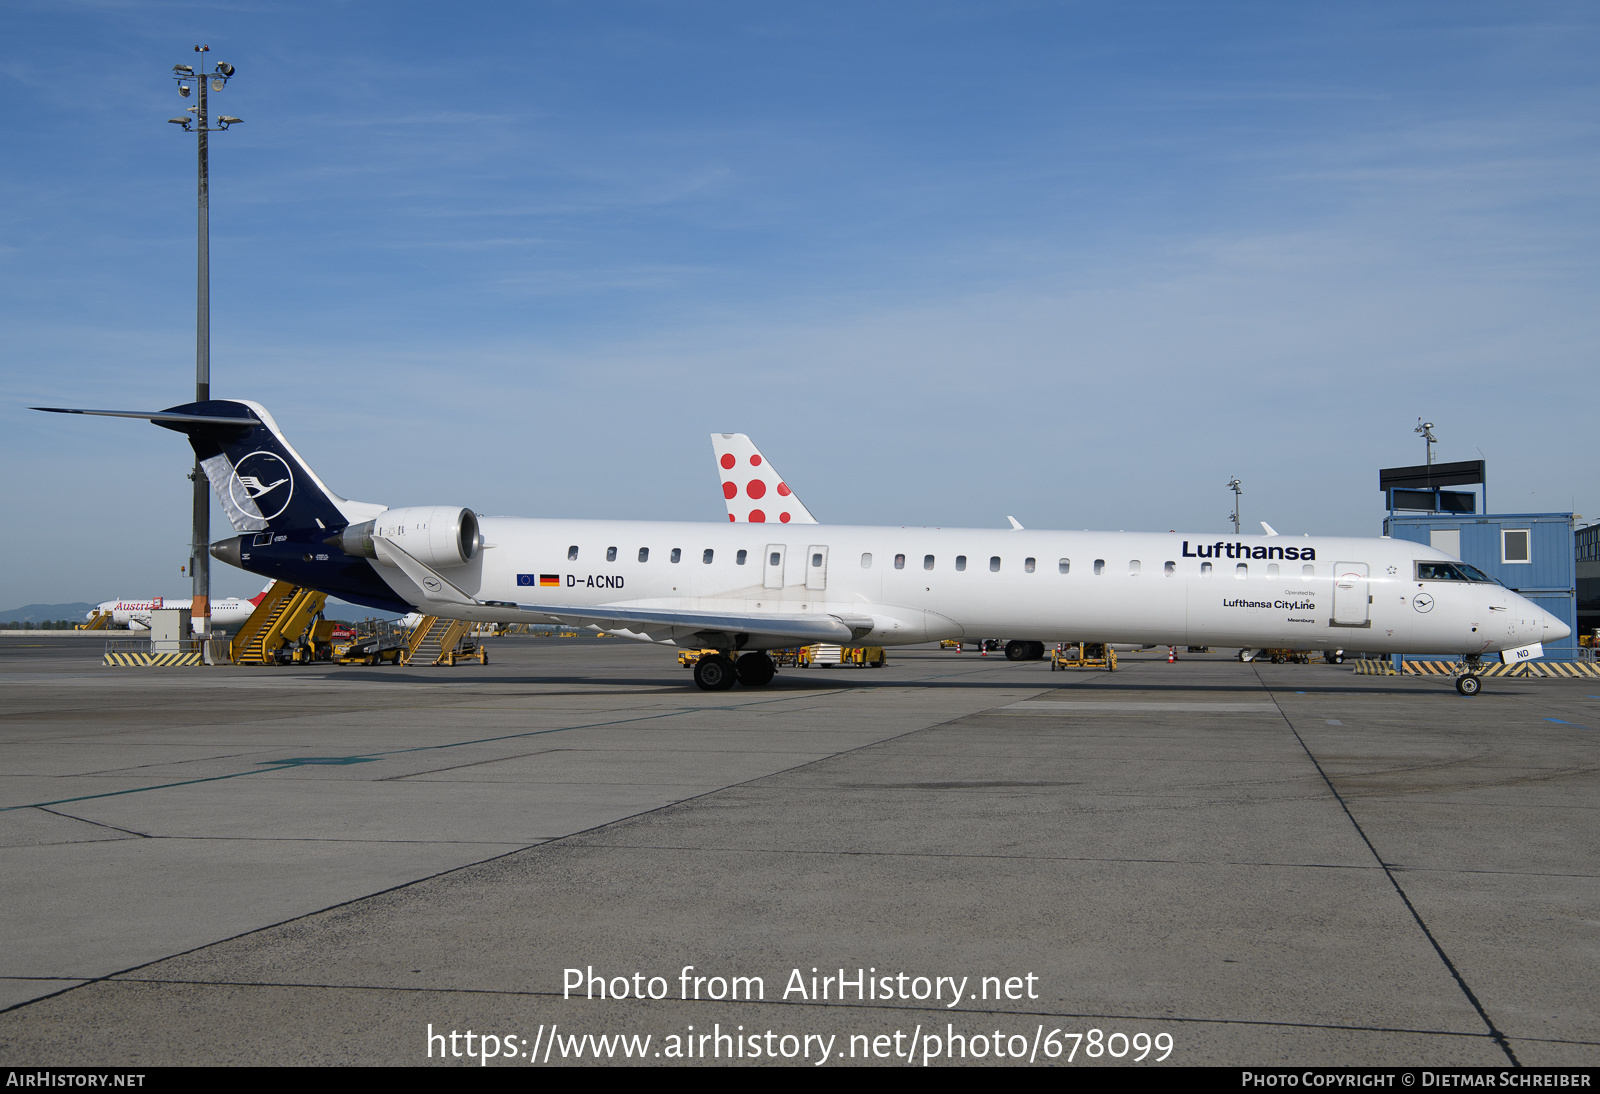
column 155, row 416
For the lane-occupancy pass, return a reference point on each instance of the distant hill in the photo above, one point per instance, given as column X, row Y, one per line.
column 38, row 613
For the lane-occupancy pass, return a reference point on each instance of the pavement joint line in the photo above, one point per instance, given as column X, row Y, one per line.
column 841, row 1004
column 1494, row 1031
column 267, row 766
column 98, row 824
column 454, row 869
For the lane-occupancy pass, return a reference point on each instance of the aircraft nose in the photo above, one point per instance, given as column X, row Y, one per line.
column 1554, row 629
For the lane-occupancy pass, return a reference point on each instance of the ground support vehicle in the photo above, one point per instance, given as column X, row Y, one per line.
column 1083, row 655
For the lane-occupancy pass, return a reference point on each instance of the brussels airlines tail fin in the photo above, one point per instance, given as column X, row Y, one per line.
column 259, row 478
column 753, row 488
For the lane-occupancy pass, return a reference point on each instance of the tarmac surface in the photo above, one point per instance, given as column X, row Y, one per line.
column 1269, row 865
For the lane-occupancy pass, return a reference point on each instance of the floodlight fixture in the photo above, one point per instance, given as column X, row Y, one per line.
column 183, row 70
column 226, row 69
column 179, row 121
column 183, row 89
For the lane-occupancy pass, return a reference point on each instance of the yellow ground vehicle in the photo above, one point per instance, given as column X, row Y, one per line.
column 827, row 656
column 1083, row 655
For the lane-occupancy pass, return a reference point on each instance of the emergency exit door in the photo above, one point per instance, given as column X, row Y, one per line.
column 816, row 567
column 773, row 563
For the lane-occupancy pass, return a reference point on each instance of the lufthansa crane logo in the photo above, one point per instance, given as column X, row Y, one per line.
column 263, row 479
column 1422, row 602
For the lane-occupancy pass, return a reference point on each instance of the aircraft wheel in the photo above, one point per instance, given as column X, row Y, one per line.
column 714, row 673
column 1468, row 685
column 755, row 670
column 1333, row 657
column 1035, row 651
column 1246, row 655
column 1017, row 651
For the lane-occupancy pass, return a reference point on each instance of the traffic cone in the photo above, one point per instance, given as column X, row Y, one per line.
column 1172, row 655
column 983, row 647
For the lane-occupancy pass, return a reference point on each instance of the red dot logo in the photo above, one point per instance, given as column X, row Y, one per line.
column 729, row 490
column 757, row 517
column 730, row 516
column 755, row 488
column 755, row 461
column 783, row 489
column 783, row 518
column 727, row 460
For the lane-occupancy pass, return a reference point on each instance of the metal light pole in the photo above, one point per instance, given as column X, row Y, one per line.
column 1426, row 429
column 1238, row 491
column 200, row 539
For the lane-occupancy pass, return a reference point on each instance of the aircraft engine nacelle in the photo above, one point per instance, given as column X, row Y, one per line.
column 440, row 536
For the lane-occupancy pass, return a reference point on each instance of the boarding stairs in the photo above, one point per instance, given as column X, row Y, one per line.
column 438, row 641
column 284, row 617
column 99, row 621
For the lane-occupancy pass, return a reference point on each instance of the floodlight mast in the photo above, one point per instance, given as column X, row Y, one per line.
column 1426, row 429
column 200, row 538
column 1238, row 491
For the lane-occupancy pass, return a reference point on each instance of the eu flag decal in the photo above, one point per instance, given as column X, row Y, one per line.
column 527, row 579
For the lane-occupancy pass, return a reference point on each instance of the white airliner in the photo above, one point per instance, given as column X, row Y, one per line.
column 228, row 611
column 744, row 589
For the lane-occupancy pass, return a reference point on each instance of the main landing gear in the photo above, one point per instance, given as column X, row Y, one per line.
column 1017, row 650
column 719, row 672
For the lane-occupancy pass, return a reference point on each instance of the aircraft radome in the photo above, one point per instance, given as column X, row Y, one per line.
column 745, row 588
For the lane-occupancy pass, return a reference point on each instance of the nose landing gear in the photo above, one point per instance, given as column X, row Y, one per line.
column 1468, row 683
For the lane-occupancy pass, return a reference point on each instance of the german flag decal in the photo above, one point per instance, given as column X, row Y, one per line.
column 549, row 580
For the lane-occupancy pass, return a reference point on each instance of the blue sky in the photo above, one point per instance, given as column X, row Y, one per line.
column 944, row 262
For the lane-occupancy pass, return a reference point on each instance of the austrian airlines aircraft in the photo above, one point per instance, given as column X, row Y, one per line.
column 747, row 588
column 230, row 611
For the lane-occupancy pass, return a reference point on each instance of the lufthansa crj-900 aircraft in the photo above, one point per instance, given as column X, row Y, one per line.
column 745, row 588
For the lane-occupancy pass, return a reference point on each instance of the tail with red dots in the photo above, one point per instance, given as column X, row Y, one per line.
column 755, row 492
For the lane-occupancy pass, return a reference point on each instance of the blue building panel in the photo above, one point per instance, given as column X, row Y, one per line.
column 1549, row 577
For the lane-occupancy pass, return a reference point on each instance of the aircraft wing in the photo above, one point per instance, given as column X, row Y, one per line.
column 738, row 630
column 741, row 630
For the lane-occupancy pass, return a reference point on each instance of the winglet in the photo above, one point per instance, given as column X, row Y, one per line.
column 1015, row 527
column 1270, row 530
column 754, row 490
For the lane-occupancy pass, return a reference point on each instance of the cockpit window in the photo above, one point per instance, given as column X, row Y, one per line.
column 1451, row 571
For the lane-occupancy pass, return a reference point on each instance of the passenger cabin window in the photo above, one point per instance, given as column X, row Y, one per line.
column 706, row 558
column 644, row 554
column 738, row 559
column 677, row 554
column 611, row 554
column 927, row 562
column 961, row 562
column 994, row 564
column 1064, row 566
column 866, row 560
column 1134, row 567
column 1308, row 570
column 1272, row 569
column 572, row 554
column 1170, row 568
column 1205, row 569
column 1027, row 565
column 1099, row 566
column 1241, row 571
column 774, row 559
column 899, row 562
column 816, row 559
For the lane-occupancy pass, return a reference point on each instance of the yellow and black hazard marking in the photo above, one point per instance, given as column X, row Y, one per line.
column 1527, row 669
column 147, row 660
column 1366, row 667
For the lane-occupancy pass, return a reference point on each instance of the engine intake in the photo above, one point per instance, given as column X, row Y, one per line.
column 435, row 535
